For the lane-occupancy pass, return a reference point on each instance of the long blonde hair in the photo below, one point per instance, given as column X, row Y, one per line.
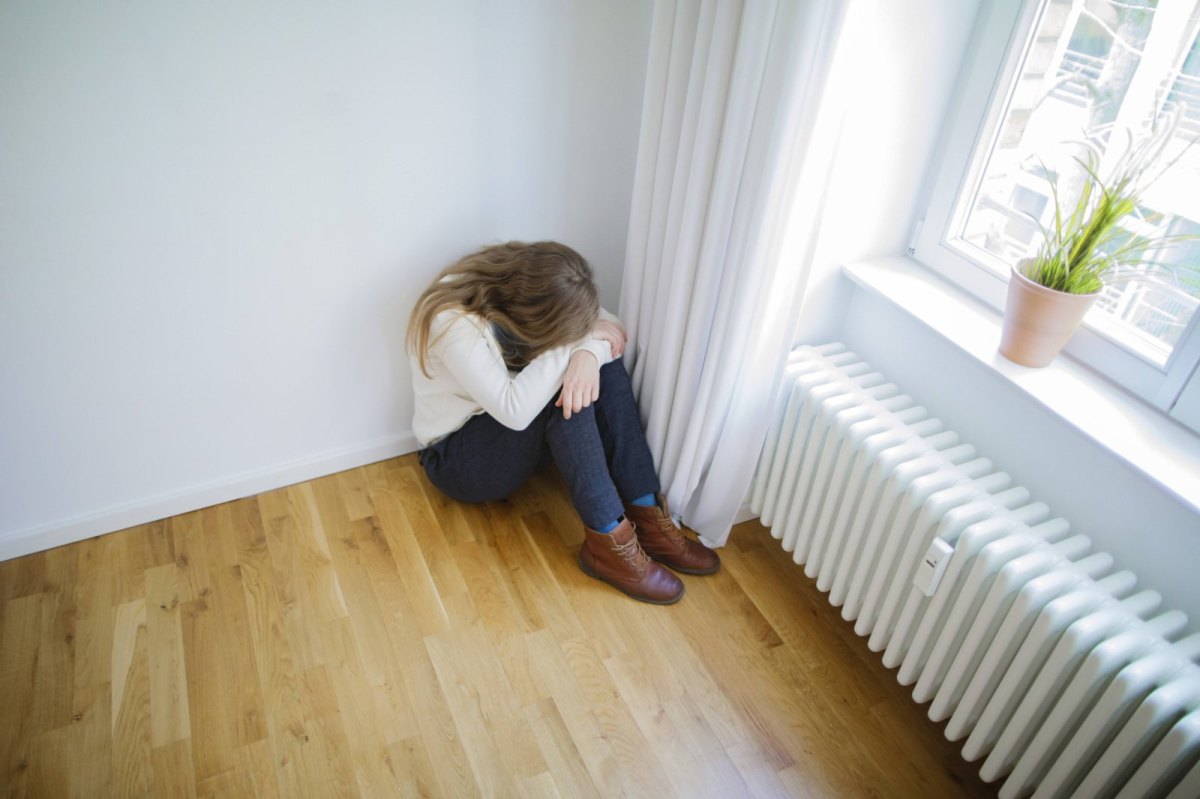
column 539, row 295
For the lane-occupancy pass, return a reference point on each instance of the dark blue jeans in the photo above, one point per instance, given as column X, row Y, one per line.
column 601, row 452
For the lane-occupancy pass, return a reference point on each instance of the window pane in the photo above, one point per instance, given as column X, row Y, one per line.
column 1097, row 70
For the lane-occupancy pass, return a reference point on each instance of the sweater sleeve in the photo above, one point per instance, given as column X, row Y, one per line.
column 598, row 347
column 474, row 359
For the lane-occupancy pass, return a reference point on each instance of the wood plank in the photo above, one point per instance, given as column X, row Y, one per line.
column 368, row 648
column 547, row 493
column 47, row 774
column 762, row 781
column 426, row 528
column 256, row 770
column 169, row 718
column 594, row 605
column 540, row 786
column 173, row 774
column 94, row 599
column 187, row 534
column 531, row 581
column 158, row 542
column 615, row 719
column 410, row 763
column 594, row 748
column 324, row 764
column 126, row 558
column 20, row 640
column 362, row 634
column 480, row 701
column 355, row 493
column 273, row 504
column 228, row 708
column 498, row 612
column 54, row 678
column 310, row 594
column 273, row 664
column 363, row 717
column 452, row 516
column 23, row 576
column 395, row 583
column 704, row 758
column 132, row 765
column 90, row 743
column 409, row 564
column 564, row 762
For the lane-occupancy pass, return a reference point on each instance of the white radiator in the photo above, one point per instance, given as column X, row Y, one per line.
column 1059, row 674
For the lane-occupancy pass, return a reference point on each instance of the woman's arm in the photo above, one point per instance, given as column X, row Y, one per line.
column 473, row 358
column 580, row 384
column 609, row 328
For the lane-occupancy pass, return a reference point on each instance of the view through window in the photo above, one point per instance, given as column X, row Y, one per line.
column 1102, row 70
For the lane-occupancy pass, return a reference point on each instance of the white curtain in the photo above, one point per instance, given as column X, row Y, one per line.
column 738, row 132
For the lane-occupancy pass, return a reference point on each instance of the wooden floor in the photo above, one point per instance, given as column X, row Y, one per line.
column 361, row 635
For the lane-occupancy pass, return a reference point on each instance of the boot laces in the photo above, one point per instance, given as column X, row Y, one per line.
column 633, row 554
column 662, row 523
column 667, row 526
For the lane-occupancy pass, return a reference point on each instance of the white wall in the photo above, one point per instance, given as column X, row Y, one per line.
column 214, row 218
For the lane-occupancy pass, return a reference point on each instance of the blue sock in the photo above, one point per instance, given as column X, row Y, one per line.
column 647, row 501
column 608, row 528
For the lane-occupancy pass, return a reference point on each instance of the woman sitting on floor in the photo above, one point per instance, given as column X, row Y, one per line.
column 513, row 356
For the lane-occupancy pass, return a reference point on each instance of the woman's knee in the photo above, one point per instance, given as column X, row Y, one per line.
column 615, row 385
column 613, row 373
column 613, row 365
column 584, row 417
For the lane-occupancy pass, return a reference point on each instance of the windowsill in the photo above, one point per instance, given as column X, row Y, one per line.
column 1141, row 436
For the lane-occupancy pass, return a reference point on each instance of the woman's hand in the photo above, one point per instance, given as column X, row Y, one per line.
column 613, row 333
column 581, row 383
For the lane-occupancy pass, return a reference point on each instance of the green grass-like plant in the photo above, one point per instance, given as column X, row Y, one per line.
column 1087, row 245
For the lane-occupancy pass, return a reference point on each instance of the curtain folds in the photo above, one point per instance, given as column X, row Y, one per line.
column 738, row 132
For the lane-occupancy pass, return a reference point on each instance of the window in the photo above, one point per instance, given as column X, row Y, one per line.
column 1044, row 75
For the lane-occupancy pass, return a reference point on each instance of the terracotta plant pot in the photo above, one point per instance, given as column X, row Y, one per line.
column 1038, row 320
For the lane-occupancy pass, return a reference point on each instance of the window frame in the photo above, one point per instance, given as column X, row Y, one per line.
column 996, row 51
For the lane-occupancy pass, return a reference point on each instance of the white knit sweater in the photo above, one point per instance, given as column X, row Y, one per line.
column 467, row 377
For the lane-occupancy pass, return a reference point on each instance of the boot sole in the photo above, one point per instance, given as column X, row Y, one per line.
column 595, row 576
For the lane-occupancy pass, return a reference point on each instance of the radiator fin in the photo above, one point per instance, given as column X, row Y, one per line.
column 1047, row 661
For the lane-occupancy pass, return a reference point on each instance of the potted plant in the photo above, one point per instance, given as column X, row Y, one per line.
column 1085, row 249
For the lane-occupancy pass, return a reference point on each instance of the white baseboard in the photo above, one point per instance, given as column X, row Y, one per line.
column 76, row 528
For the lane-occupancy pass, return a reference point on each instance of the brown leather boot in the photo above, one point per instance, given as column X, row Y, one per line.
column 666, row 543
column 617, row 559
